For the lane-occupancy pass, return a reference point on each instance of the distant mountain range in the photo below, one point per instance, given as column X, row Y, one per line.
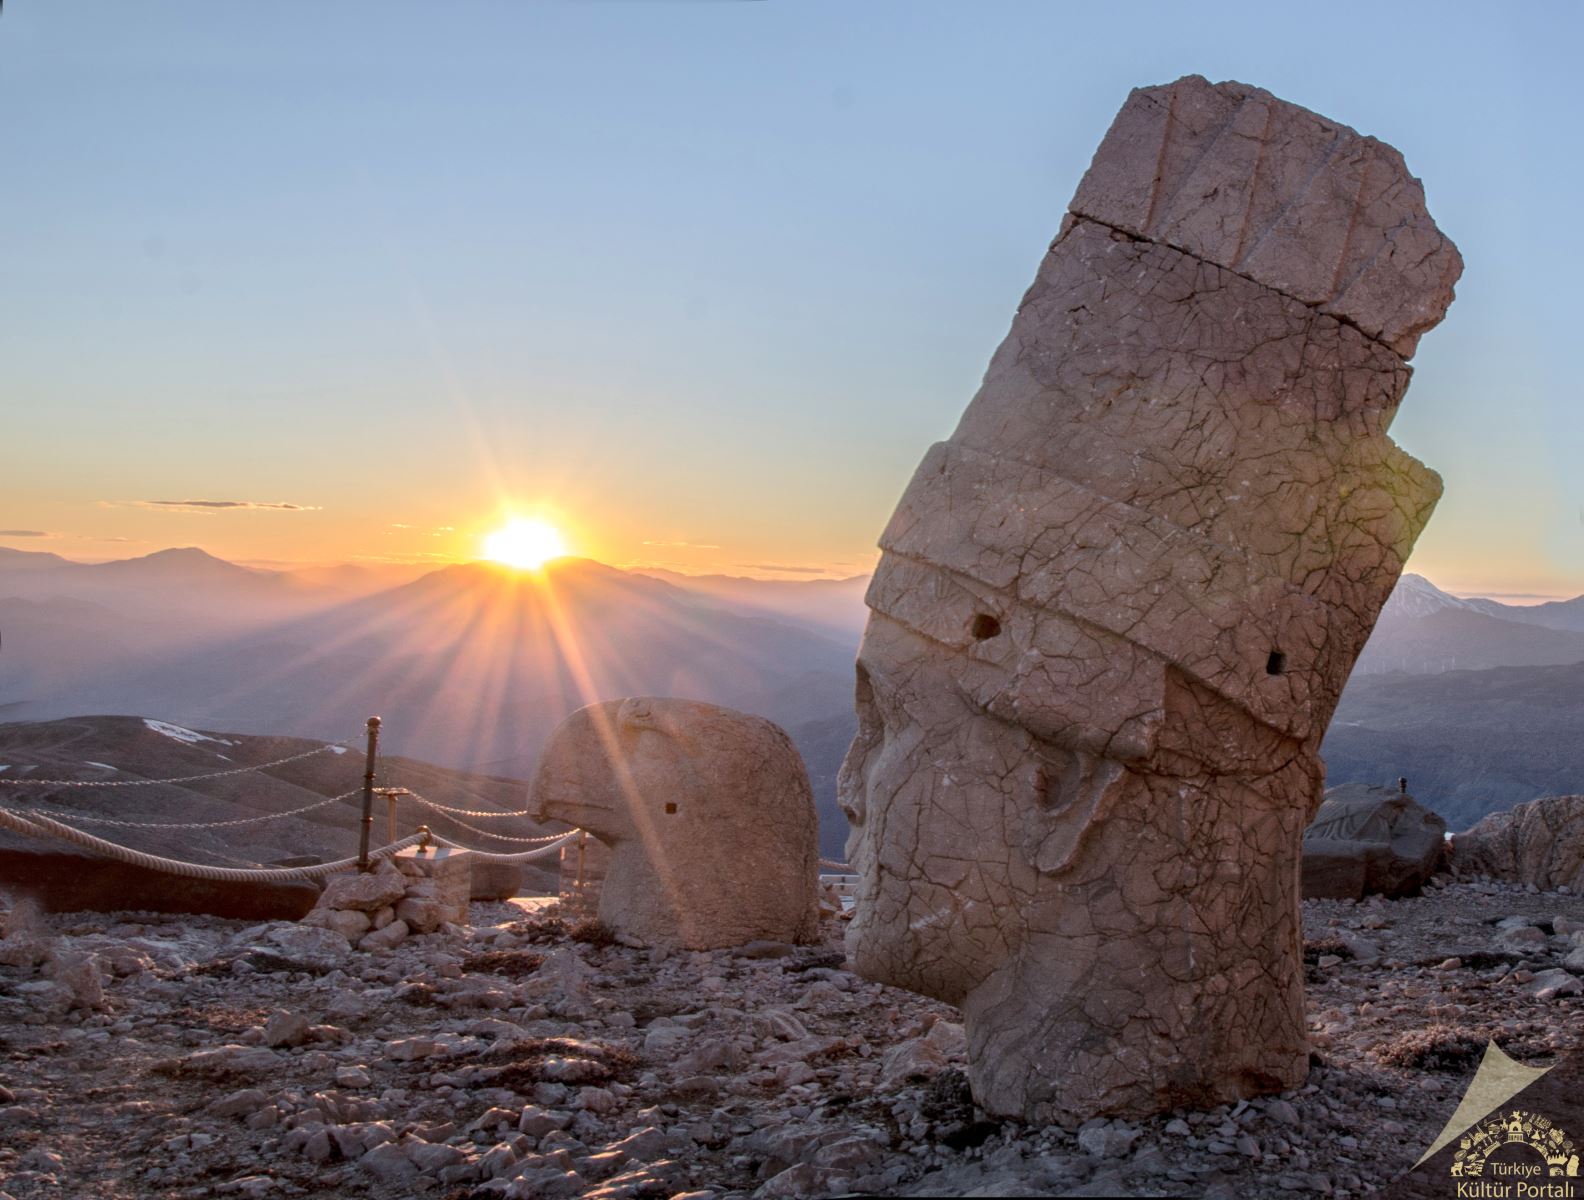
column 472, row 665
column 1424, row 631
column 1468, row 742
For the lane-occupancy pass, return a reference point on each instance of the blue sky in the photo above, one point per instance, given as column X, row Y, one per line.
column 679, row 271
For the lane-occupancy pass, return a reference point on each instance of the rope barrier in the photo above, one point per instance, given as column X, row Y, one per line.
column 23, row 781
column 41, row 823
column 523, row 856
column 471, row 812
column 90, row 820
column 524, row 841
column 40, row 826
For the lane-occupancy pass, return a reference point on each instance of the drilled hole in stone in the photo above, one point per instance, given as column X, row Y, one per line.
column 984, row 626
column 670, row 808
column 1276, row 664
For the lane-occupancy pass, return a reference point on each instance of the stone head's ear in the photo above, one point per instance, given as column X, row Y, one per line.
column 1072, row 791
column 671, row 718
column 636, row 712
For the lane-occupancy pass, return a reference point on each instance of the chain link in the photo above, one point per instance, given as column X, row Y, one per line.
column 471, row 812
column 500, row 837
column 561, row 840
column 21, row 781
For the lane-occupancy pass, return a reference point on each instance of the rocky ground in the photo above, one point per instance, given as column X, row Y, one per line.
column 161, row 1056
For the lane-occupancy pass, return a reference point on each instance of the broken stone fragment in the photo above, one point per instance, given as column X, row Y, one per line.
column 708, row 815
column 1369, row 841
column 387, row 937
column 1298, row 202
column 364, row 892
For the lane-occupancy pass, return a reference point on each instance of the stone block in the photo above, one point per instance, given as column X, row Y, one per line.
column 451, row 873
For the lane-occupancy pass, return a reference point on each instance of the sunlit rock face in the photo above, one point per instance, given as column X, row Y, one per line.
column 1114, row 612
column 708, row 814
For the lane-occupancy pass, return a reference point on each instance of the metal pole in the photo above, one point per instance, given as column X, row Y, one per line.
column 578, row 887
column 368, row 793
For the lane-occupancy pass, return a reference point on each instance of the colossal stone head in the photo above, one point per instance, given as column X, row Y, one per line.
column 708, row 814
column 1114, row 612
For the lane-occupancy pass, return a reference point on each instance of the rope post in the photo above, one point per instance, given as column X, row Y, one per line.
column 578, row 887
column 368, row 794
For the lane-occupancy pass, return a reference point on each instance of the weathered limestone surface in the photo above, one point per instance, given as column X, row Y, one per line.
column 1540, row 843
column 1236, row 177
column 1116, row 609
column 708, row 815
column 448, row 874
column 1370, row 841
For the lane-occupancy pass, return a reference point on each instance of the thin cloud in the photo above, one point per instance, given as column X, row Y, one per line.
column 687, row 545
column 30, row 533
column 405, row 559
column 781, row 567
column 224, row 505
column 1508, row 596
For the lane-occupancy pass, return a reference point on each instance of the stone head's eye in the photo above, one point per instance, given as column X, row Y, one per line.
column 870, row 721
column 1276, row 664
column 984, row 626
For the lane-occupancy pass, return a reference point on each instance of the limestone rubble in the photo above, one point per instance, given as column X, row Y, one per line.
column 505, row 1060
column 1115, row 610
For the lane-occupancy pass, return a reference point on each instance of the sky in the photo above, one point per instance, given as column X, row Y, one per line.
column 698, row 281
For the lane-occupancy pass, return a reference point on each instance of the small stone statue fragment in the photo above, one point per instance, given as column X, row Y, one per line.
column 708, row 814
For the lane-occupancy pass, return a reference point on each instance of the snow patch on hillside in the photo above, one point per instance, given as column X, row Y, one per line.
column 179, row 734
column 1416, row 596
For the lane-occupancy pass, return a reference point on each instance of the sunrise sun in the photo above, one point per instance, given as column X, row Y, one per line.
column 524, row 544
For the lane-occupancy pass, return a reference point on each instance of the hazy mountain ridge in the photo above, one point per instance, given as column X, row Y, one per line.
column 1424, row 630
column 469, row 665
column 472, row 665
column 1469, row 742
column 831, row 606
